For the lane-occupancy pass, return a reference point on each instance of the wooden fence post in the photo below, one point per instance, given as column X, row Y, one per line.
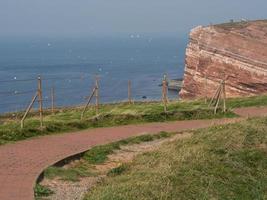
column 218, row 99
column 224, row 97
column 28, row 110
column 129, row 92
column 89, row 100
column 97, row 95
column 40, row 100
column 215, row 95
column 164, row 93
column 220, row 94
column 206, row 89
column 53, row 99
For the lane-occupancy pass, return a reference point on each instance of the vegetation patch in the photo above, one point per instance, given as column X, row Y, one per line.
column 118, row 170
column 233, row 25
column 222, row 162
column 71, row 174
column 99, row 154
column 42, row 191
column 247, row 102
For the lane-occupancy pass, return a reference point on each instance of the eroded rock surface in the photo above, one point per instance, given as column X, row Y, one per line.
column 237, row 51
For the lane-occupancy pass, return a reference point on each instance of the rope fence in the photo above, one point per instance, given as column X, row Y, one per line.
column 43, row 93
column 50, row 93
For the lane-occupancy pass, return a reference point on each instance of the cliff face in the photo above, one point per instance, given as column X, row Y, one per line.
column 237, row 51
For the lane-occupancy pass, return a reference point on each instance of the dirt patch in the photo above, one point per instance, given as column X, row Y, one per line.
column 68, row 190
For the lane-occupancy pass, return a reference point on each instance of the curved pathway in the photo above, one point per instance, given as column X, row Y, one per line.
column 22, row 162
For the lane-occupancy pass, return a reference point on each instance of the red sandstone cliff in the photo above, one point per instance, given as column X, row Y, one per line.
column 234, row 50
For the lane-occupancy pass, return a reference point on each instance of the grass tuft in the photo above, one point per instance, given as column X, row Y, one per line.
column 118, row 170
column 99, row 154
column 42, row 191
column 70, row 174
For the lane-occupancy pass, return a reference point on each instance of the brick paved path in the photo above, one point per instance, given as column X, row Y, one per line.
column 22, row 162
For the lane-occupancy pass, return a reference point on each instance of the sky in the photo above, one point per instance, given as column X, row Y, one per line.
column 76, row 18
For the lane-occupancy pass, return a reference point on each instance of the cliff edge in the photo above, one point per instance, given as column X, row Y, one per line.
column 235, row 51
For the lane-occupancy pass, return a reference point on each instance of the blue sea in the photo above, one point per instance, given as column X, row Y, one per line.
column 70, row 66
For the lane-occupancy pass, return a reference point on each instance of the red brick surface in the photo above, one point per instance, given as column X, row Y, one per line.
column 22, row 162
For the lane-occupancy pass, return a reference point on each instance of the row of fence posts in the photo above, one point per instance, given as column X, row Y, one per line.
column 39, row 97
column 94, row 93
column 218, row 95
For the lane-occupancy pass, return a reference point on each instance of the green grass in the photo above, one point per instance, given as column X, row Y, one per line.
column 42, row 191
column 237, row 25
column 118, row 170
column 233, row 25
column 70, row 174
column 222, row 162
column 97, row 155
column 247, row 102
column 67, row 120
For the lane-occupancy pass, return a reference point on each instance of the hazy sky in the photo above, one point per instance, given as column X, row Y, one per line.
column 111, row 17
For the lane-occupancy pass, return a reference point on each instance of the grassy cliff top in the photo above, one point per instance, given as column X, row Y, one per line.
column 243, row 24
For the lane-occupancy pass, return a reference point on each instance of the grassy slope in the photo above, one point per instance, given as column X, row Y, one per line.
column 223, row 162
column 111, row 115
column 247, row 102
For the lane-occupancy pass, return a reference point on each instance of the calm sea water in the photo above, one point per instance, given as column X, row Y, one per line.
column 71, row 64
